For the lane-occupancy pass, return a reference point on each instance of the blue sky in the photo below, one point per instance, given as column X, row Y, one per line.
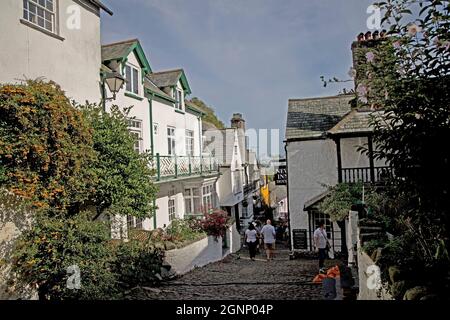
column 247, row 56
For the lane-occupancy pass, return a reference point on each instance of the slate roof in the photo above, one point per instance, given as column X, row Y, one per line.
column 355, row 122
column 166, row 78
column 312, row 118
column 117, row 50
column 148, row 84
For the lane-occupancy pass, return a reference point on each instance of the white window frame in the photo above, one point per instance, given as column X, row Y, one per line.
column 171, row 141
column 178, row 96
column 48, row 16
column 172, row 209
column 134, row 86
column 134, row 223
column 190, row 143
column 135, row 128
column 208, row 196
column 191, row 194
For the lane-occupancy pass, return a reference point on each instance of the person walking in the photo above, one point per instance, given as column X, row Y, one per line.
column 268, row 234
column 321, row 243
column 251, row 239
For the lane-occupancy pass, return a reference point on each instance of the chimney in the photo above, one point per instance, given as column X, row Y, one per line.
column 363, row 43
column 237, row 121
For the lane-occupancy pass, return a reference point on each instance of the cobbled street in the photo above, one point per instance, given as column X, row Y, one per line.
column 239, row 278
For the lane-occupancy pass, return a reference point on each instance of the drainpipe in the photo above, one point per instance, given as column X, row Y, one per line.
column 150, row 105
column 289, row 200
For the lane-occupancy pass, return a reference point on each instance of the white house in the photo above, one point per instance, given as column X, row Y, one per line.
column 322, row 140
column 239, row 179
column 169, row 127
column 57, row 40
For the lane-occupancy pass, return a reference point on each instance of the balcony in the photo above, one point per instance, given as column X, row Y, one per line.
column 364, row 175
column 178, row 167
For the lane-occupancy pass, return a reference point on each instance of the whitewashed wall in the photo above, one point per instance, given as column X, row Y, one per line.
column 311, row 165
column 198, row 254
column 73, row 63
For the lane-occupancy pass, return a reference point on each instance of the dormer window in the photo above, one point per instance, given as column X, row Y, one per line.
column 178, row 96
column 132, row 79
column 40, row 13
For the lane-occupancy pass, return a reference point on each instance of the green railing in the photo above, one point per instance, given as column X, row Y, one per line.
column 174, row 167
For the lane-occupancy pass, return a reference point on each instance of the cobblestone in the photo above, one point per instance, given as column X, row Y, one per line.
column 238, row 278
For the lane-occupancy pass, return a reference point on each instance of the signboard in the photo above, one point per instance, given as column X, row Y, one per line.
column 300, row 240
column 281, row 176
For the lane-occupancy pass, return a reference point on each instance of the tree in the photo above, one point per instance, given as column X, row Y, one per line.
column 210, row 115
column 45, row 146
column 124, row 183
column 407, row 76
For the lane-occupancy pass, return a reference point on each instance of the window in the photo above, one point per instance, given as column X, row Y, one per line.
column 178, row 96
column 209, row 197
column 135, row 127
column 172, row 211
column 192, row 200
column 189, row 143
column 134, row 223
column 132, row 79
column 171, row 141
column 40, row 13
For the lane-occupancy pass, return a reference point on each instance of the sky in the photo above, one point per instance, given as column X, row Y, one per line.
column 245, row 56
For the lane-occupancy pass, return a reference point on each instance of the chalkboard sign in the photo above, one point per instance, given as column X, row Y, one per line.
column 299, row 239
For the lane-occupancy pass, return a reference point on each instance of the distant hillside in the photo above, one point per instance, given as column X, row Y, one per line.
column 209, row 111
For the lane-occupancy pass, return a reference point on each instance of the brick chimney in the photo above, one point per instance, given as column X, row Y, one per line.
column 237, row 121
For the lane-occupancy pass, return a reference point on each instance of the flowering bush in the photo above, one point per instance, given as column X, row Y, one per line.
column 215, row 223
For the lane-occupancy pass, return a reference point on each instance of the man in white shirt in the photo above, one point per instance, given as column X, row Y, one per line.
column 321, row 241
column 268, row 233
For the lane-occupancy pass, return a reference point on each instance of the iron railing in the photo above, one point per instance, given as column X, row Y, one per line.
column 174, row 167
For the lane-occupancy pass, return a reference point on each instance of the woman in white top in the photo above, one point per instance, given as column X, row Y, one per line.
column 251, row 238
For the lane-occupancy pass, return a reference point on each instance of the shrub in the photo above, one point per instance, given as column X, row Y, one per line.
column 44, row 253
column 215, row 223
column 45, row 145
column 183, row 230
column 137, row 264
column 339, row 201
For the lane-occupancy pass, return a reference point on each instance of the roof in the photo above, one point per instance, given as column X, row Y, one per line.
column 355, row 122
column 99, row 4
column 149, row 85
column 315, row 201
column 170, row 78
column 312, row 118
column 121, row 50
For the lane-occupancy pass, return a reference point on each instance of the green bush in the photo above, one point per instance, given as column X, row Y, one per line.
column 44, row 253
column 183, row 230
column 45, row 145
column 137, row 264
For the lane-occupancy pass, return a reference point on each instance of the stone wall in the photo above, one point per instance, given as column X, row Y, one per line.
column 14, row 219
